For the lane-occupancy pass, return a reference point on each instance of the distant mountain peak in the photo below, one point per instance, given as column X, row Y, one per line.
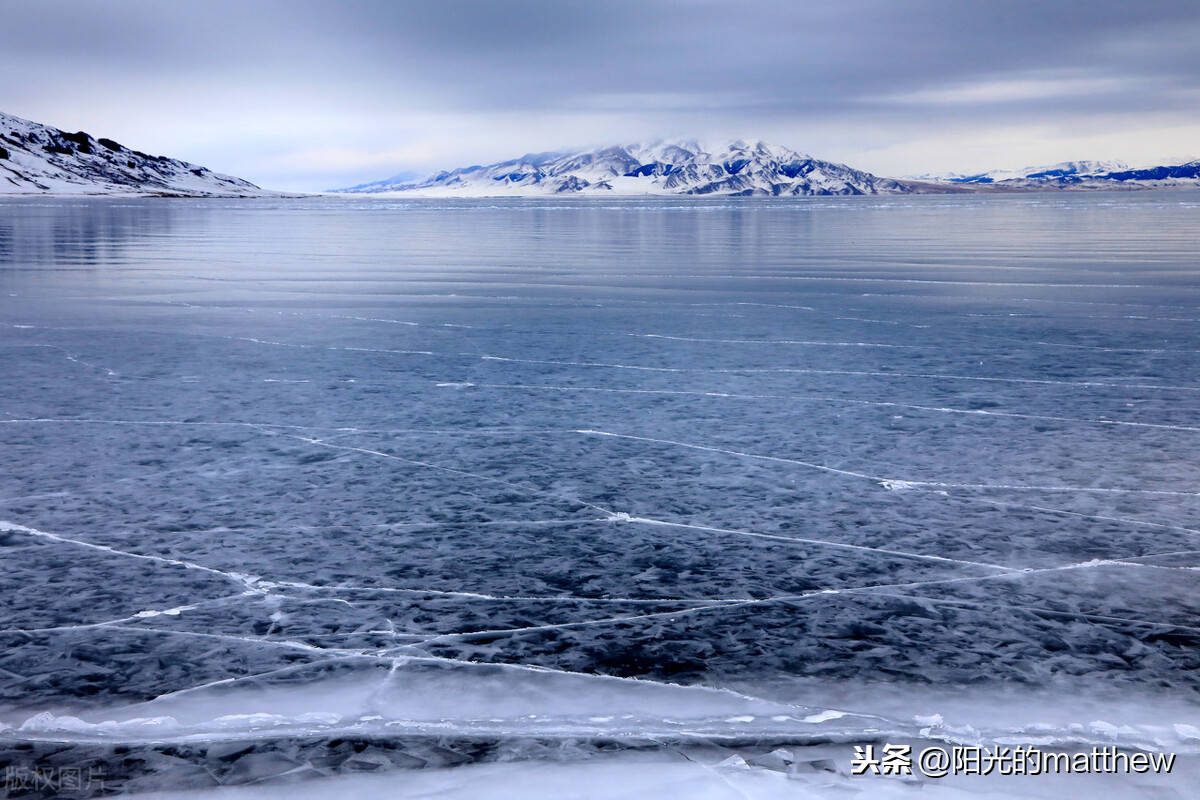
column 1063, row 169
column 680, row 166
column 1081, row 175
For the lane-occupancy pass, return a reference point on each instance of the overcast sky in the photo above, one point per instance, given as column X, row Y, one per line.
column 313, row 94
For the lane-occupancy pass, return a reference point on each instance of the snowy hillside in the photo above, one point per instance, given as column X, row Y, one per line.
column 665, row 168
column 1064, row 169
column 1185, row 175
column 1080, row 175
column 39, row 159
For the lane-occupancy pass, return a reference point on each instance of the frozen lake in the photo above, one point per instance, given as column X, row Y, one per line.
column 475, row 481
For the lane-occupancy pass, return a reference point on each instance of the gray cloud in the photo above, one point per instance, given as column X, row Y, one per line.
column 305, row 94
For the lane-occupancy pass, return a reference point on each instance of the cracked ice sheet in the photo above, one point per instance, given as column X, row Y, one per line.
column 626, row 648
column 562, row 618
column 705, row 775
column 241, row 477
column 49, row 584
column 211, row 495
column 726, row 490
column 429, row 695
column 606, row 560
column 1118, row 398
column 893, row 442
column 364, row 697
column 955, row 638
column 1145, row 605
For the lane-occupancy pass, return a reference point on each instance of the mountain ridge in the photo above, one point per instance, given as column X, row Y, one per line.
column 40, row 159
column 1080, row 175
column 677, row 167
column 741, row 168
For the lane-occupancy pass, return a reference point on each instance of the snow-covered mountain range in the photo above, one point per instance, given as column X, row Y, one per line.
column 1060, row 170
column 40, row 159
column 1080, row 175
column 737, row 168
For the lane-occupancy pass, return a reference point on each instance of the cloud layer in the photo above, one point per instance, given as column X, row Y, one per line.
column 306, row 95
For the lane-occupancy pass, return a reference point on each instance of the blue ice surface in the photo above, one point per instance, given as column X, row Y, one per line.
column 928, row 441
